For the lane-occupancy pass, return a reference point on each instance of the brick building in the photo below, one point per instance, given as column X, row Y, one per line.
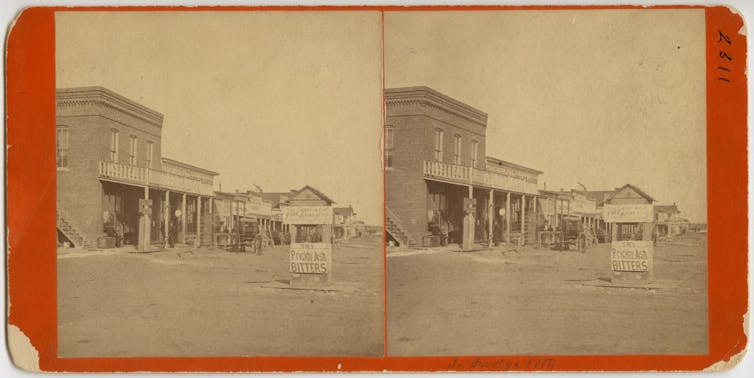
column 108, row 159
column 437, row 173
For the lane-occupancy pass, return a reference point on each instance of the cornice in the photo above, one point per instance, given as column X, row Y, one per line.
column 176, row 163
column 425, row 96
column 83, row 96
column 491, row 161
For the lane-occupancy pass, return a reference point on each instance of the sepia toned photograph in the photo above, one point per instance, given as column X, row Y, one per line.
column 546, row 183
column 376, row 188
column 219, row 183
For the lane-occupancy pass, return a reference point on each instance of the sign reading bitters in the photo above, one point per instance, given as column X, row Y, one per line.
column 308, row 215
column 311, row 258
column 631, row 256
column 628, row 213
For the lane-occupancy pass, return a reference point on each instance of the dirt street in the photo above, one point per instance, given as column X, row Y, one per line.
column 537, row 301
column 204, row 302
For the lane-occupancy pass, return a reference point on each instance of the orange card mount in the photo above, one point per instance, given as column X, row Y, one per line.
column 31, row 216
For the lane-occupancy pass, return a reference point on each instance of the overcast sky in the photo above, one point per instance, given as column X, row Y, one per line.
column 280, row 100
column 598, row 97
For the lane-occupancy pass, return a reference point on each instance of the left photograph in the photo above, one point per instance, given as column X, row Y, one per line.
column 219, row 184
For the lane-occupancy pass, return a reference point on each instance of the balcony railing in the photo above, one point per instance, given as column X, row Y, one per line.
column 446, row 171
column 153, row 177
column 122, row 172
column 476, row 176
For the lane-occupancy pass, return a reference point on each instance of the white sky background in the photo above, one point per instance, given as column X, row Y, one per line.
column 280, row 100
column 603, row 98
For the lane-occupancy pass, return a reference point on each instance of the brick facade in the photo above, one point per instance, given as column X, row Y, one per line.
column 415, row 114
column 425, row 191
column 89, row 116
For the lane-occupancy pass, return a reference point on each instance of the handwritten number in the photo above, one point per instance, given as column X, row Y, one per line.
column 723, row 37
column 723, row 54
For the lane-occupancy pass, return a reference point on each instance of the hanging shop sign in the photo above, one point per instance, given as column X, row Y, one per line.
column 628, row 213
column 308, row 215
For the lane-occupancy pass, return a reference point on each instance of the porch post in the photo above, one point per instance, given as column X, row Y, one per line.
column 211, row 224
column 147, row 227
column 508, row 217
column 198, row 221
column 166, row 216
column 556, row 223
column 536, row 218
column 232, row 221
column 467, row 239
column 183, row 219
column 490, row 217
column 523, row 219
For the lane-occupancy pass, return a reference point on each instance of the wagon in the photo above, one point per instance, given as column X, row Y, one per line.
column 246, row 234
column 571, row 234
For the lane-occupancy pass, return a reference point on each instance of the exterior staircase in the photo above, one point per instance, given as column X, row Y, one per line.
column 67, row 227
column 395, row 228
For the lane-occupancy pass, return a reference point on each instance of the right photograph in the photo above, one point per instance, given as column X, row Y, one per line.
column 546, row 182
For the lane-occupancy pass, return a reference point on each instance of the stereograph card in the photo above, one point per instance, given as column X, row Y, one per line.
column 376, row 188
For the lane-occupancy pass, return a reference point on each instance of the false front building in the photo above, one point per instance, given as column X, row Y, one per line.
column 109, row 161
column 438, row 176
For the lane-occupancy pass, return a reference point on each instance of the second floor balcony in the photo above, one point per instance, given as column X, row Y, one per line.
column 153, row 178
column 477, row 177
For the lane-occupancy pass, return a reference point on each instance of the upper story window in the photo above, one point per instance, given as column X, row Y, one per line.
column 438, row 144
column 132, row 151
column 389, row 135
column 474, row 153
column 61, row 146
column 457, row 150
column 114, row 145
column 150, row 153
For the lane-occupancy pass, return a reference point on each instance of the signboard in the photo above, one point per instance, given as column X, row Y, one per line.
column 631, row 256
column 628, row 213
column 145, row 206
column 582, row 206
column 311, row 258
column 308, row 215
column 257, row 206
column 547, row 206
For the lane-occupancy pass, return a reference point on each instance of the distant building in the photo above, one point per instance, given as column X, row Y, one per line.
column 277, row 198
column 553, row 206
column 628, row 194
column 345, row 225
column 668, row 221
column 249, row 206
column 310, row 233
column 109, row 158
column 598, row 196
column 585, row 207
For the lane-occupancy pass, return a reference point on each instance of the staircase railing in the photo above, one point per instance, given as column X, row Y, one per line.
column 62, row 216
column 399, row 224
